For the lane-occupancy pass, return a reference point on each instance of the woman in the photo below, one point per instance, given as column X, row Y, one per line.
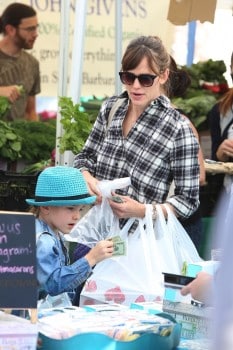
column 147, row 139
column 220, row 119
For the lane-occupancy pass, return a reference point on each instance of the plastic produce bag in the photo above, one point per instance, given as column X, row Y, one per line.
column 154, row 248
column 99, row 222
column 173, row 241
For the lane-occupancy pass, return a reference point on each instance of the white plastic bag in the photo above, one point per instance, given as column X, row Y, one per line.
column 174, row 242
column 151, row 250
column 131, row 278
column 99, row 222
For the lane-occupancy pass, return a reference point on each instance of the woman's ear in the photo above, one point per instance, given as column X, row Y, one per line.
column 163, row 77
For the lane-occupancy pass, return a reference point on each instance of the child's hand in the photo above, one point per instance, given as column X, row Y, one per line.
column 102, row 250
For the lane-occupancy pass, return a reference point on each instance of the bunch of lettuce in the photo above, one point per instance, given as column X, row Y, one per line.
column 5, row 104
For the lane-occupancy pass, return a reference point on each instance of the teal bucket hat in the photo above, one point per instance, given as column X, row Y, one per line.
column 61, row 186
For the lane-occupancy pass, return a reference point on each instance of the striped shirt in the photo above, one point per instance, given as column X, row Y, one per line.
column 159, row 148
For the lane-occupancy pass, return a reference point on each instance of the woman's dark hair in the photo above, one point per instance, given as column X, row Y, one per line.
column 179, row 80
column 159, row 60
column 150, row 47
column 13, row 15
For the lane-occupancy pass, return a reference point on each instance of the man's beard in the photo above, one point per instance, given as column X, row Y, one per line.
column 22, row 43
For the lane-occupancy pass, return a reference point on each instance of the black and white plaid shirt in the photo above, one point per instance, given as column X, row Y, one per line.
column 160, row 147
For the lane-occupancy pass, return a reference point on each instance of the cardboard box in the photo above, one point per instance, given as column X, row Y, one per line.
column 182, row 11
column 195, row 321
column 17, row 333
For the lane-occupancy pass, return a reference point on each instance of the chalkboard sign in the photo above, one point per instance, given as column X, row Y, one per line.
column 18, row 282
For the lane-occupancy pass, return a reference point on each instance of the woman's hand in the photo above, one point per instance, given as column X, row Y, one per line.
column 128, row 208
column 92, row 184
column 225, row 150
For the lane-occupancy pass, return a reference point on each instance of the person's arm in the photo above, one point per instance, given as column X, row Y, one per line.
column 200, row 158
column 213, row 117
column 30, row 112
column 186, row 172
column 55, row 278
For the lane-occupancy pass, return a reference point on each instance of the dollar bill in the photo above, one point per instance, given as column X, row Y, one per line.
column 116, row 239
column 119, row 248
column 117, row 199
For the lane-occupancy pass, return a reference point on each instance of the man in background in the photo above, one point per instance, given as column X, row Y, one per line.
column 19, row 70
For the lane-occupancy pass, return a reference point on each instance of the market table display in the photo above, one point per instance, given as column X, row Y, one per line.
column 133, row 329
column 18, row 334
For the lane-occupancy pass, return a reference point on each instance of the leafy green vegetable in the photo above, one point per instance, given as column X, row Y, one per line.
column 76, row 125
column 38, row 138
column 211, row 71
column 37, row 167
column 4, row 106
column 196, row 108
column 10, row 142
column 20, row 89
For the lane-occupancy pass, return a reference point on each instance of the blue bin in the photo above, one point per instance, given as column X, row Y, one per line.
column 97, row 341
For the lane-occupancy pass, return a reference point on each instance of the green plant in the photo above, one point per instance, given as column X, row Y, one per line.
column 38, row 139
column 76, row 125
column 196, row 108
column 10, row 142
column 208, row 71
column 5, row 104
column 207, row 85
column 92, row 106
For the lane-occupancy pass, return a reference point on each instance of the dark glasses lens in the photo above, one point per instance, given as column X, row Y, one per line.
column 144, row 79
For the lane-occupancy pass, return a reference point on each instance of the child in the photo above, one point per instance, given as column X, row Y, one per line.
column 61, row 192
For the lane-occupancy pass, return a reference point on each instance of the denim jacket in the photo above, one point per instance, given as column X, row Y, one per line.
column 54, row 273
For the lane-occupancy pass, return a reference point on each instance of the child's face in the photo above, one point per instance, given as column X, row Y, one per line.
column 61, row 219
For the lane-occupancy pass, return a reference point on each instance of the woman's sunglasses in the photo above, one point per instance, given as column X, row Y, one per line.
column 145, row 80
